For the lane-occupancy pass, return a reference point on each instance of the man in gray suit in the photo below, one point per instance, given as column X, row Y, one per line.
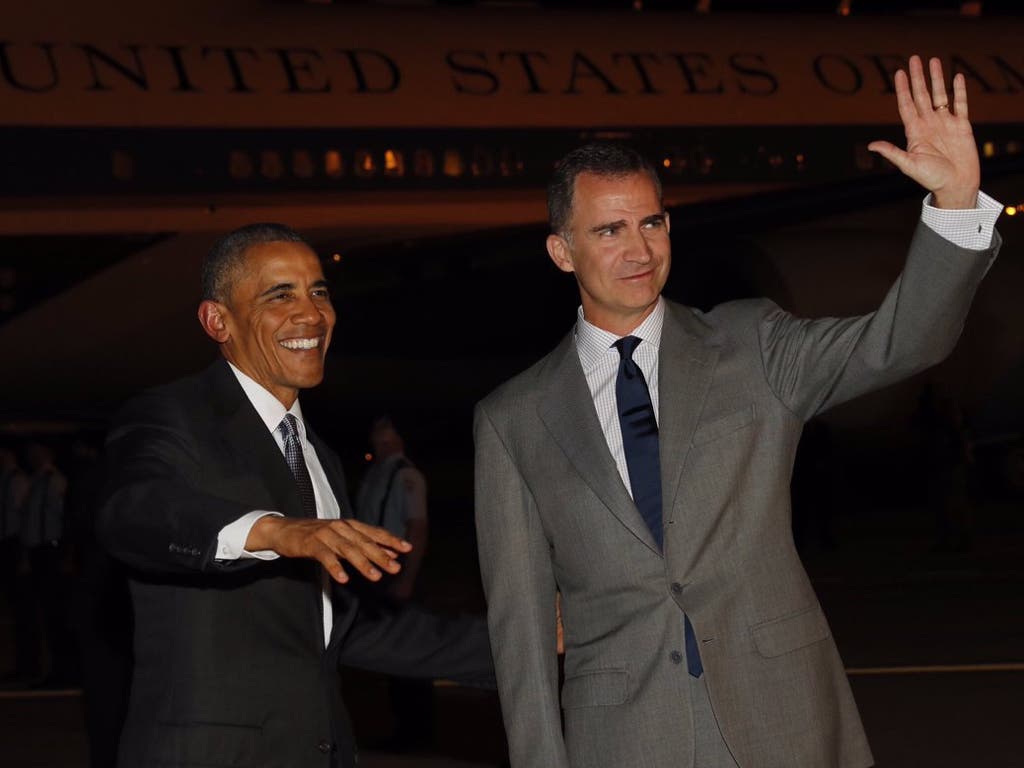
column 642, row 470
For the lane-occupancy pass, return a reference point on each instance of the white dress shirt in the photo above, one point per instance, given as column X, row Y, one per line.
column 972, row 229
column 232, row 537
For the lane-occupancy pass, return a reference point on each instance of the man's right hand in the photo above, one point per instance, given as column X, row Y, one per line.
column 330, row 542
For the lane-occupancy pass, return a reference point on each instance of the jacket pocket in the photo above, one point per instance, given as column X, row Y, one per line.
column 724, row 425
column 206, row 744
column 596, row 688
column 789, row 633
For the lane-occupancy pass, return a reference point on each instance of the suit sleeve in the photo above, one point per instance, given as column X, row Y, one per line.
column 813, row 365
column 408, row 641
column 154, row 516
column 515, row 561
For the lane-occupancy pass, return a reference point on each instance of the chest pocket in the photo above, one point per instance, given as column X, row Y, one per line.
column 724, row 425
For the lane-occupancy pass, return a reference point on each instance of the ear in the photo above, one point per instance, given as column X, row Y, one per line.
column 560, row 253
column 212, row 318
column 668, row 223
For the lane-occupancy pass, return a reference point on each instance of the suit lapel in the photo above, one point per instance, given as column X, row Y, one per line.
column 567, row 410
column 687, row 365
column 246, row 434
column 335, row 478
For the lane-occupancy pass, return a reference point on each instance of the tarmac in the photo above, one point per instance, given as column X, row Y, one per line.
column 933, row 643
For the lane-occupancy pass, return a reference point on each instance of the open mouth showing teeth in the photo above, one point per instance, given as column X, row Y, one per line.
column 301, row 343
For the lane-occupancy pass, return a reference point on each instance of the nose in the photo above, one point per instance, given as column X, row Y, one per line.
column 306, row 312
column 638, row 249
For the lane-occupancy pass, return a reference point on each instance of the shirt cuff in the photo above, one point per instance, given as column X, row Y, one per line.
column 232, row 537
column 970, row 228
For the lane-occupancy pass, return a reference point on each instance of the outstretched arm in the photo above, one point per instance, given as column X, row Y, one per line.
column 941, row 154
column 159, row 513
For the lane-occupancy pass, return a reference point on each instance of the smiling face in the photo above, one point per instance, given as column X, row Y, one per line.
column 617, row 245
column 276, row 325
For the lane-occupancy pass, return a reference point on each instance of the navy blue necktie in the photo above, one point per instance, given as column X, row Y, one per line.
column 289, row 430
column 643, row 460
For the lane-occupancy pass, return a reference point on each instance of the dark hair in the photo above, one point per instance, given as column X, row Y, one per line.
column 228, row 253
column 603, row 159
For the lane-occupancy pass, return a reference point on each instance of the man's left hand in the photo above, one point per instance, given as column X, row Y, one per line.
column 941, row 154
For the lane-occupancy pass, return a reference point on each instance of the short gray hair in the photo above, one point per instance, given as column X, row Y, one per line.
column 604, row 159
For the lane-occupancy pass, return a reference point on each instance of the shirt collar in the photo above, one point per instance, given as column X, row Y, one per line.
column 593, row 343
column 270, row 409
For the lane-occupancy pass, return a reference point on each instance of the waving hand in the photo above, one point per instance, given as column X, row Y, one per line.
column 941, row 154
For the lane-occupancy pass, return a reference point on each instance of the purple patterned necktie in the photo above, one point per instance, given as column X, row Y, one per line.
column 289, row 430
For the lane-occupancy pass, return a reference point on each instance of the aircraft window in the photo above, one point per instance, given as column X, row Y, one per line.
column 705, row 163
column 302, row 164
column 483, row 163
column 333, row 167
column 454, row 165
column 240, row 164
column 423, row 162
column 122, row 165
column 365, row 164
column 510, row 163
column 394, row 163
column 271, row 164
column 675, row 162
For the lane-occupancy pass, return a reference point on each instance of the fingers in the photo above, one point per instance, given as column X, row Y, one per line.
column 960, row 96
column 362, row 552
column 904, row 101
column 329, row 560
column 919, row 87
column 370, row 550
column 892, row 153
column 381, row 536
column 339, row 548
column 939, row 96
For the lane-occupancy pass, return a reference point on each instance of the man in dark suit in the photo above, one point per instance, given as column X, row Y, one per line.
column 233, row 517
column 642, row 470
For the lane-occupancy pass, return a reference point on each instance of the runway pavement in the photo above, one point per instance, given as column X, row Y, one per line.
column 933, row 642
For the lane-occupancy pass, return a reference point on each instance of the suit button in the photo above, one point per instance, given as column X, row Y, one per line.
column 676, row 656
column 324, row 746
column 677, row 588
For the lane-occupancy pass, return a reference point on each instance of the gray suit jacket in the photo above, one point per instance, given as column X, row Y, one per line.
column 736, row 386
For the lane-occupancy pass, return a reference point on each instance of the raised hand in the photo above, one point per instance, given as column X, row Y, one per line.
column 941, row 154
column 330, row 542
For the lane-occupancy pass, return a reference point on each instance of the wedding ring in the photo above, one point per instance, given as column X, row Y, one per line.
column 942, row 106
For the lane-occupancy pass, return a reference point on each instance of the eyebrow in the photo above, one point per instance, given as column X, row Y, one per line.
column 622, row 222
column 278, row 288
column 608, row 225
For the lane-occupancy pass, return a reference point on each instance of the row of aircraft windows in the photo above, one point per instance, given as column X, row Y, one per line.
column 365, row 163
column 453, row 163
column 275, row 164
